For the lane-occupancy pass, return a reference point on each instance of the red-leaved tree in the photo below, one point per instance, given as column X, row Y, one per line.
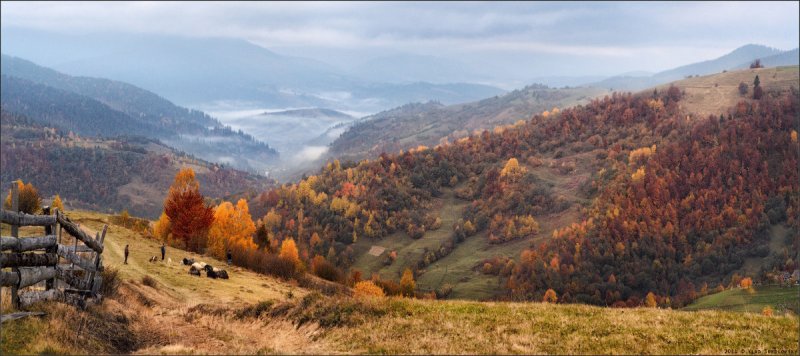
column 189, row 216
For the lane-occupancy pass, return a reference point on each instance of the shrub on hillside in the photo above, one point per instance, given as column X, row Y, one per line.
column 262, row 261
column 149, row 281
column 365, row 289
column 326, row 270
column 389, row 287
column 28, row 198
column 111, row 281
column 767, row 311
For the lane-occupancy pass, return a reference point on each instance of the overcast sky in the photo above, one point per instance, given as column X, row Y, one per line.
column 608, row 36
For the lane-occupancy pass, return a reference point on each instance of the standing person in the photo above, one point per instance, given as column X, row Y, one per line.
column 163, row 250
column 126, row 254
column 230, row 257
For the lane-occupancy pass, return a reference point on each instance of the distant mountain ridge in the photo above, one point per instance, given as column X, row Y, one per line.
column 199, row 71
column 736, row 59
column 107, row 108
column 429, row 123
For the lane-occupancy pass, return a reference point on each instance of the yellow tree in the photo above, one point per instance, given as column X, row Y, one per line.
column 289, row 252
column 650, row 300
column 57, row 203
column 407, row 284
column 232, row 227
column 162, row 228
column 219, row 231
column 512, row 169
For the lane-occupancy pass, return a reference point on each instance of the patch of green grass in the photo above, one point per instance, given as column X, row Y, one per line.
column 409, row 251
column 780, row 299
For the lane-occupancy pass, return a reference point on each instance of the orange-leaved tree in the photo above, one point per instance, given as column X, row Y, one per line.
column 550, row 296
column 188, row 214
column 28, row 198
column 233, row 227
column 367, row 289
column 746, row 282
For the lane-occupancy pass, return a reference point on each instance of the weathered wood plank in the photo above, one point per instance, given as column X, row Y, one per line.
column 22, row 244
column 80, row 248
column 22, row 219
column 75, row 278
column 26, row 276
column 97, row 258
column 72, row 277
column 9, row 279
column 19, row 315
column 27, row 259
column 28, row 298
column 75, row 231
column 74, row 258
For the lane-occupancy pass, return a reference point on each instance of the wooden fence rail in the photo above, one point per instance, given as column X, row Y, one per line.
column 36, row 259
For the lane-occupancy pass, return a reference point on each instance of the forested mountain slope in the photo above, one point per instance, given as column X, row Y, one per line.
column 105, row 174
column 431, row 123
column 609, row 201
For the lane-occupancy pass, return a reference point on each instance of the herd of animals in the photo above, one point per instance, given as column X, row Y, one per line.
column 196, row 268
column 211, row 272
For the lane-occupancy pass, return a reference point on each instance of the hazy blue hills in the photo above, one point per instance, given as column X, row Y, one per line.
column 107, row 108
column 70, row 111
column 738, row 58
column 788, row 58
column 199, row 71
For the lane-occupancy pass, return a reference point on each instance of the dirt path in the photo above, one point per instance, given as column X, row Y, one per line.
column 184, row 314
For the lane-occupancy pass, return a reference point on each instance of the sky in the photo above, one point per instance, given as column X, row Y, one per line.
column 585, row 38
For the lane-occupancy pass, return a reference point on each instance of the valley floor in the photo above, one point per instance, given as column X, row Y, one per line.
column 256, row 314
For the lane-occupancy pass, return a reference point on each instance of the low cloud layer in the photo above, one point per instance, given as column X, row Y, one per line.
column 641, row 36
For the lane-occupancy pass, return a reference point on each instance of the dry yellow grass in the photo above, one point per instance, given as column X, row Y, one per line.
column 716, row 93
column 191, row 315
column 458, row 327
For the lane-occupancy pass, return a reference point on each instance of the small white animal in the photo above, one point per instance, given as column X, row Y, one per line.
column 169, row 261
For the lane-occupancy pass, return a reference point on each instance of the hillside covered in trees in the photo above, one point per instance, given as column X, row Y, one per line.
column 106, row 174
column 663, row 202
column 432, row 123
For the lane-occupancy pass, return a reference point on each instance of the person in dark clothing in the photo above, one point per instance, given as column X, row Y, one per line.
column 126, row 254
column 230, row 258
column 163, row 250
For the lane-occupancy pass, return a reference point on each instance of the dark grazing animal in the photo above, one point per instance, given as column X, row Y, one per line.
column 212, row 272
column 153, row 259
column 187, row 261
column 194, row 271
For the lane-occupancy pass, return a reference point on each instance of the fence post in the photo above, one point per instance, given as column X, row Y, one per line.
column 49, row 230
column 97, row 260
column 14, row 233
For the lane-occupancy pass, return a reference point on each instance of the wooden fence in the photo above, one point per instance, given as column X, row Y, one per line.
column 32, row 260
